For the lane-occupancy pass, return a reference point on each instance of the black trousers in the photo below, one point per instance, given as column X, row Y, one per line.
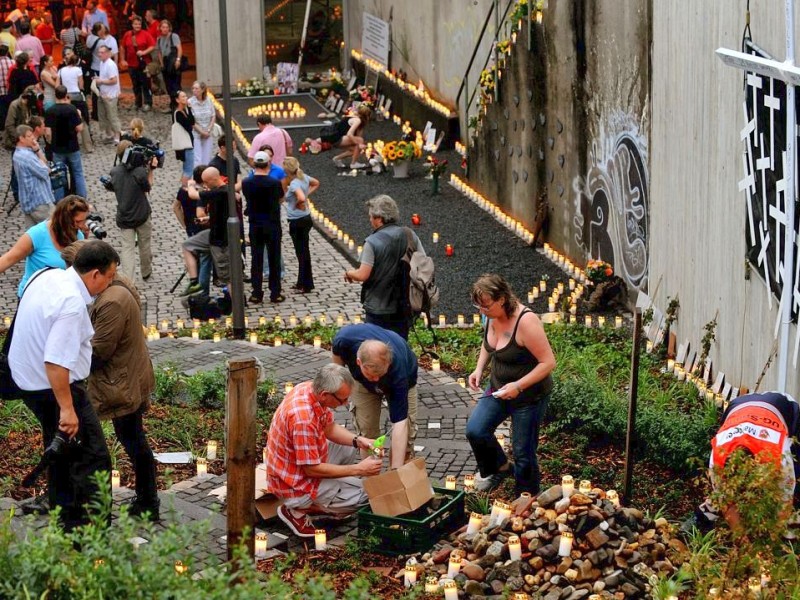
column 141, row 86
column 70, row 481
column 265, row 235
column 400, row 323
column 299, row 230
column 130, row 433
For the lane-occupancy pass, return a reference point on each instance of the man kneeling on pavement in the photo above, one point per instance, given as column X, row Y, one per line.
column 311, row 460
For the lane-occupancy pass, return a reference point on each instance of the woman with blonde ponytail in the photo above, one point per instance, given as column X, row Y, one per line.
column 299, row 187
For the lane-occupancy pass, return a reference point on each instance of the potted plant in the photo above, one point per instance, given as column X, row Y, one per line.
column 399, row 155
column 436, row 167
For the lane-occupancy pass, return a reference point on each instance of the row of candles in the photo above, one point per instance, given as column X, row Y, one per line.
column 201, row 464
column 418, row 91
column 690, row 376
column 565, row 263
column 237, row 130
column 509, row 222
column 278, row 110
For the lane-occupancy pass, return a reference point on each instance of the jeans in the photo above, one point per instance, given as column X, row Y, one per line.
column 204, row 264
column 525, row 422
column 130, row 433
column 141, row 86
column 265, row 235
column 70, row 481
column 299, row 230
column 75, row 166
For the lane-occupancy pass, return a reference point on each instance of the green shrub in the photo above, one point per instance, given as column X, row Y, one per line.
column 207, row 388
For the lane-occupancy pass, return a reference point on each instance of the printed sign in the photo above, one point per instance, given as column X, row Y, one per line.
column 375, row 39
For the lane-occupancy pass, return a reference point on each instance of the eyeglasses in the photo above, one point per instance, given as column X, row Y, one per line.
column 485, row 307
column 340, row 400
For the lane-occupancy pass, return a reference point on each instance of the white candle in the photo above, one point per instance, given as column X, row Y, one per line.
column 453, row 566
column 202, row 467
column 320, row 539
column 410, row 573
column 670, row 365
column 542, row 285
column 514, row 548
column 565, row 544
column 292, row 320
column 264, row 455
column 180, row 568
column 435, row 365
column 339, row 321
column 317, row 341
column 680, row 372
column 476, row 319
column 522, row 596
column 432, row 585
column 530, row 298
column 262, row 320
column 469, row 482
column 613, row 497
column 357, row 319
column 648, row 346
column 164, row 325
column 254, row 338
column 588, row 320
column 618, row 321
column 442, row 320
column 179, row 323
column 195, row 334
column 288, row 387
column 504, row 513
column 585, row 486
column 535, row 292
column 261, row 544
column 462, row 382
column 551, row 306
column 601, row 321
column 573, row 319
column 571, row 284
column 216, row 338
column 278, row 341
column 323, row 319
column 114, row 479
column 460, row 320
column 567, row 486
column 435, row 238
column 211, row 450
column 450, row 482
column 450, row 589
column 475, row 520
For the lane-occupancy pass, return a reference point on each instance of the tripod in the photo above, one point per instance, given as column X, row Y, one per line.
column 5, row 199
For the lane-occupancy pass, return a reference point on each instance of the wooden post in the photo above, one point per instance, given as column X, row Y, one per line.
column 632, row 397
column 240, row 451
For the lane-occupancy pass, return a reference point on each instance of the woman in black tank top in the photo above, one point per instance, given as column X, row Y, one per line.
column 519, row 386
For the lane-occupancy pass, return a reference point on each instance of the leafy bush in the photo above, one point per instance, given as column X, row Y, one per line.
column 207, row 388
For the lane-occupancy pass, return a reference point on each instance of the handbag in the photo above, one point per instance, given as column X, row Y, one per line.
column 9, row 390
column 181, row 140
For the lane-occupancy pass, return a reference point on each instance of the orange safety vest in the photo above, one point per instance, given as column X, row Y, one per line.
column 757, row 426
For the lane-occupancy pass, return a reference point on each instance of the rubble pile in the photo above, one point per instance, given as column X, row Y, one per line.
column 614, row 552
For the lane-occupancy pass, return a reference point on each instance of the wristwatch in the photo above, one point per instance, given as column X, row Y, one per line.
column 355, row 441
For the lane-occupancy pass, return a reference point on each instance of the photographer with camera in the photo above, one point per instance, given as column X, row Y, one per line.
column 64, row 125
column 33, row 177
column 50, row 357
column 131, row 181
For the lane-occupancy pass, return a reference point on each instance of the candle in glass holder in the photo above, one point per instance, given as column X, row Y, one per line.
column 410, row 572
column 618, row 321
column 450, row 589
column 253, row 337
column 317, row 341
column 503, row 513
column 462, row 382
column 196, row 323
column 288, row 387
column 415, row 220
column 514, row 547
column 211, row 450
column 228, row 321
column 601, row 321
column 567, row 486
column 475, row 520
column 115, row 479
column 573, row 319
column 320, row 539
column 450, row 482
column 7, row 321
column 262, row 320
column 454, row 566
column 680, row 372
column 340, row 320
column 179, row 323
column 195, row 334
column 217, row 338
column 476, row 319
column 180, row 568
column 535, row 292
column 613, row 497
column 261, row 544
column 551, row 306
column 460, row 320
column 670, row 365
column 442, row 320
column 435, row 238
column 435, row 365
column 431, row 585
column 277, row 341
column 530, row 298
column 469, row 482
column 585, row 487
column 202, row 467
column 648, row 346
column 565, row 544
column 588, row 320
column 164, row 325
column 572, row 284
column 264, row 455
column 521, row 596
column 542, row 285
column 448, row 250
column 357, row 319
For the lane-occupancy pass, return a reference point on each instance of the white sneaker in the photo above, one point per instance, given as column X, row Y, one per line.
column 357, row 165
column 487, row 484
column 339, row 163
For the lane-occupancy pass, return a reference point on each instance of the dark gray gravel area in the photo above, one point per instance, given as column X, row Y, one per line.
column 480, row 243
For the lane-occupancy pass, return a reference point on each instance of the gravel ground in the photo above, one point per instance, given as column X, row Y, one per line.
column 480, row 243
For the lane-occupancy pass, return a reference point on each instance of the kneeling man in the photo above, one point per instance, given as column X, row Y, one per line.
column 310, row 461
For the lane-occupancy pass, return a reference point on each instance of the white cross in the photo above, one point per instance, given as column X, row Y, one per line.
column 773, row 103
column 754, row 81
column 764, row 164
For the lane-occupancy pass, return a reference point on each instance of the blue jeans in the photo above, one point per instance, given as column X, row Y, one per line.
column 525, row 422
column 204, row 263
column 75, row 166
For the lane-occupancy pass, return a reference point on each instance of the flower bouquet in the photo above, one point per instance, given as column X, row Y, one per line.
column 436, row 167
column 400, row 154
column 599, row 271
column 253, row 87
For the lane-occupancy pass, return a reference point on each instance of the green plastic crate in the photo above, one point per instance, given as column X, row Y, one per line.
column 403, row 535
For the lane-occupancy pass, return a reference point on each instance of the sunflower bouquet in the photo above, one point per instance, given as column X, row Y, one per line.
column 599, row 271
column 393, row 152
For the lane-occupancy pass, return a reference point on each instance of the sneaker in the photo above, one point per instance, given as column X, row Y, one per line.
column 192, row 288
column 301, row 526
column 147, row 108
column 339, row 163
column 487, row 484
column 357, row 165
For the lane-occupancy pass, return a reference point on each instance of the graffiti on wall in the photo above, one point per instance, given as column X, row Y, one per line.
column 612, row 201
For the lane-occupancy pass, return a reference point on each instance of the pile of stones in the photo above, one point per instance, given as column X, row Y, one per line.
column 615, row 552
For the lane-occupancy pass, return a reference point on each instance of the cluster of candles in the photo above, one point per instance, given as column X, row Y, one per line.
column 461, row 149
column 335, row 231
column 562, row 261
column 703, row 388
column 278, row 110
column 237, row 130
column 509, row 222
column 418, row 91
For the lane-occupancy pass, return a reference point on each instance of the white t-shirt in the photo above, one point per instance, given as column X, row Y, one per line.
column 108, row 69
column 107, row 41
column 69, row 78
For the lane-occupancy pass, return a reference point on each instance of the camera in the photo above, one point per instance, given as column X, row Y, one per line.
column 107, row 183
column 141, row 155
column 94, row 221
column 59, row 444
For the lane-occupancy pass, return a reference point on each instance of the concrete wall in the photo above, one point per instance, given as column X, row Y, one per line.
column 245, row 40
column 698, row 213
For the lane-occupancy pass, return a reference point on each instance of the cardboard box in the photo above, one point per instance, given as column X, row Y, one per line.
column 399, row 491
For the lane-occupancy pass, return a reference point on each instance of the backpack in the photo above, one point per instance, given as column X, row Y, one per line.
column 80, row 48
column 419, row 279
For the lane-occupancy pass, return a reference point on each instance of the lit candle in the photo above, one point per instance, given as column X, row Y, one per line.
column 521, row 596
column 454, row 566
column 571, row 284
column 195, row 334
column 514, row 548
column 475, row 520
column 530, row 298
column 262, row 320
column 216, row 338
column 323, row 319
column 114, row 479
column 601, row 321
column 308, row 320
column 164, row 325
column 565, row 544
column 680, row 372
column 476, row 319
column 560, row 287
column 264, row 455
column 180, row 568
column 357, row 319
column 317, row 341
column 535, row 292
column 196, row 323
column 277, row 341
column 435, row 238
column 542, row 285
column 567, row 486
column 351, row 245
column 503, row 513
column 288, row 387
column 415, row 220
column 573, row 309
column 435, row 365
column 7, row 321
column 588, row 320
column 179, row 323
column 448, row 250
column 450, row 590
column 339, row 320
column 462, row 382
column 460, row 320
column 613, row 497
column 211, row 450
column 573, row 319
column 410, row 572
column 228, row 321
column 551, row 306
column 585, row 486
column 432, row 585
column 670, row 365
column 450, row 482
column 261, row 544
column 618, row 321
column 648, row 346
column 320, row 539
column 202, row 467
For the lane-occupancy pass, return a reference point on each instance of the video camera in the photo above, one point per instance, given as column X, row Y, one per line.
column 58, row 446
column 141, row 155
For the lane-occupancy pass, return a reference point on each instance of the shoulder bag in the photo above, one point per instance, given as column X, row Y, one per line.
column 181, row 140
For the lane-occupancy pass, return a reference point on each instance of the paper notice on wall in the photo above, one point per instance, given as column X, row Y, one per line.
column 375, row 39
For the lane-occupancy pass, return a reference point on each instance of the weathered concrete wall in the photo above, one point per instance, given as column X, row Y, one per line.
column 245, row 40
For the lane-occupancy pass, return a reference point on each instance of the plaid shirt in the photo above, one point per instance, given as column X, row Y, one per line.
column 34, row 180
column 5, row 69
column 296, row 438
